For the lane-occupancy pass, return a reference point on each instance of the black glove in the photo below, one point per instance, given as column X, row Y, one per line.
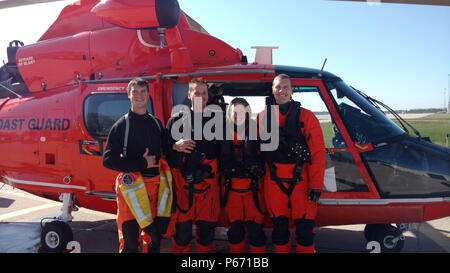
column 314, row 195
column 202, row 172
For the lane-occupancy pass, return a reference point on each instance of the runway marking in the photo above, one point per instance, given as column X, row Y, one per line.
column 26, row 195
column 26, row 211
column 42, row 199
column 98, row 213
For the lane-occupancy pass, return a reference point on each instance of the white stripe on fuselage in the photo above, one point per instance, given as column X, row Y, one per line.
column 44, row 184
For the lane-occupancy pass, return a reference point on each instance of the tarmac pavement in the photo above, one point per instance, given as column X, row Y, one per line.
column 21, row 214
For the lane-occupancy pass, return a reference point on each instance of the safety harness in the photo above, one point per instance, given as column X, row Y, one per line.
column 194, row 173
column 127, row 132
column 191, row 167
column 241, row 161
column 292, row 148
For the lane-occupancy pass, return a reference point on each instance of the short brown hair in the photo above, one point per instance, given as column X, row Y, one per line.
column 138, row 82
column 282, row 77
column 196, row 81
column 236, row 101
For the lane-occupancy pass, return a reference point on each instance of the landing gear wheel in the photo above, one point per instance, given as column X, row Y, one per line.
column 55, row 236
column 389, row 237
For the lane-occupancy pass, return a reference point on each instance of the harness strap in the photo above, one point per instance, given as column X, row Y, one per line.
column 291, row 181
column 194, row 178
column 227, row 186
column 253, row 188
column 127, row 132
column 191, row 191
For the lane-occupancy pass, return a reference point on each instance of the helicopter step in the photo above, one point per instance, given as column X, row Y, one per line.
column 56, row 234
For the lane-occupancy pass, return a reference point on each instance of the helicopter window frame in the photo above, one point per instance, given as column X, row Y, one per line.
column 91, row 131
column 299, row 88
column 343, row 91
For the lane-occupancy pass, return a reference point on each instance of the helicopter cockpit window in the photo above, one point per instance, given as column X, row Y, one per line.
column 365, row 123
column 310, row 99
column 102, row 110
column 341, row 173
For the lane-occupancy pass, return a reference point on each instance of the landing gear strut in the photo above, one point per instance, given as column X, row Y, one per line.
column 56, row 234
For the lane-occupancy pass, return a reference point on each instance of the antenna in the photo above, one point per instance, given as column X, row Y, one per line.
column 323, row 66
column 162, row 34
column 448, row 106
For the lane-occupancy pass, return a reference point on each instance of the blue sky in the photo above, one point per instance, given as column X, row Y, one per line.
column 399, row 54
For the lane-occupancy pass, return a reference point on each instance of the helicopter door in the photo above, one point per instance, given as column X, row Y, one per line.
column 345, row 174
column 101, row 109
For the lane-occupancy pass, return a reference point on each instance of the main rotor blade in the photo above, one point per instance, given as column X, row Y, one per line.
column 415, row 2
column 4, row 4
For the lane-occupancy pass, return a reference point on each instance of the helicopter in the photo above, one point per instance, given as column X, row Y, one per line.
column 60, row 96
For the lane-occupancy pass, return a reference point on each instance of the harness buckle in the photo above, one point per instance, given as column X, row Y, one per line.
column 189, row 178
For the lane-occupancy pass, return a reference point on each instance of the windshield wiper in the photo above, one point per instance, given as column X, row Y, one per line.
column 375, row 103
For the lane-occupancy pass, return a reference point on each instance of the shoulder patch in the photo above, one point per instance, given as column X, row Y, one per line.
column 127, row 180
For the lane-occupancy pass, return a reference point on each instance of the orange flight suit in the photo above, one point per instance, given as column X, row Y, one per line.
column 296, row 209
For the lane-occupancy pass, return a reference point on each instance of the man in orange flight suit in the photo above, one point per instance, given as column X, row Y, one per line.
column 294, row 171
column 194, row 166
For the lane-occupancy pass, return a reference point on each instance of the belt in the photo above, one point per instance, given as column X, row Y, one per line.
column 198, row 191
column 241, row 190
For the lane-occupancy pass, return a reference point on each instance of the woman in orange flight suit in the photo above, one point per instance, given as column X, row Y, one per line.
column 242, row 171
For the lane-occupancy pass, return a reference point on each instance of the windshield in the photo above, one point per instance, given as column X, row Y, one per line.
column 363, row 120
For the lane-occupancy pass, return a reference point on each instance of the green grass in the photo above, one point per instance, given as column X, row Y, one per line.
column 435, row 126
column 328, row 133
